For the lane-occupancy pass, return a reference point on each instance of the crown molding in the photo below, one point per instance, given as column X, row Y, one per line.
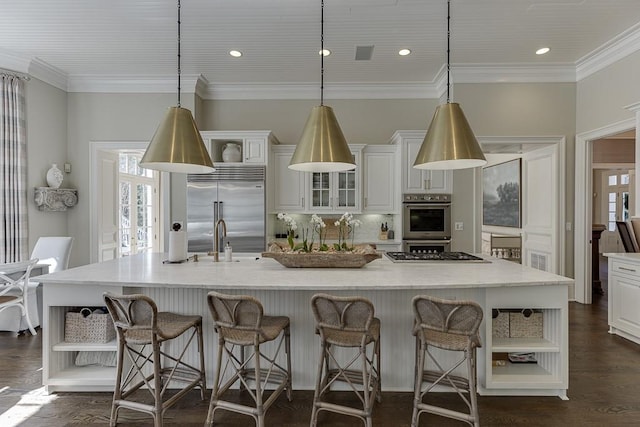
column 11, row 61
column 512, row 73
column 612, row 51
column 374, row 90
column 133, row 83
column 49, row 74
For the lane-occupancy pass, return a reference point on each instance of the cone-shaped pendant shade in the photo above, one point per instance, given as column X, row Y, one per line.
column 322, row 147
column 449, row 143
column 177, row 145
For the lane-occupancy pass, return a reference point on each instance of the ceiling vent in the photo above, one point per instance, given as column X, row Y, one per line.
column 364, row 53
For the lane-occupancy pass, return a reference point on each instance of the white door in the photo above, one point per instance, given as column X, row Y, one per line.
column 540, row 206
column 107, row 205
column 614, row 207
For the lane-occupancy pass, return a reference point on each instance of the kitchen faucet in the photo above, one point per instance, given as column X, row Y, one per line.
column 216, row 238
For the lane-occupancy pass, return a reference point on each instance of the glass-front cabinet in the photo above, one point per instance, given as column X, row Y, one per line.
column 337, row 191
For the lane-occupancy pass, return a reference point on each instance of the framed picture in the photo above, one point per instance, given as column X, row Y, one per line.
column 501, row 194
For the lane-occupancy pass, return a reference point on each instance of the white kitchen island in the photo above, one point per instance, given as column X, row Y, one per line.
column 391, row 286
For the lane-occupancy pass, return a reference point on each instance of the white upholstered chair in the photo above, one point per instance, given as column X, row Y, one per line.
column 54, row 251
column 14, row 281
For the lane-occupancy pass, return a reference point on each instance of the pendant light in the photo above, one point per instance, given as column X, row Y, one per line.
column 322, row 146
column 177, row 145
column 449, row 143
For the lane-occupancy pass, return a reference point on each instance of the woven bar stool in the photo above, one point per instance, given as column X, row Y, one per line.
column 347, row 322
column 240, row 322
column 142, row 331
column 453, row 326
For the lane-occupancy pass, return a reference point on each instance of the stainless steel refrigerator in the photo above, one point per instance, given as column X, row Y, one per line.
column 235, row 194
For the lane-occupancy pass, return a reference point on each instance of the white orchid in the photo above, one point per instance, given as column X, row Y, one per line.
column 346, row 225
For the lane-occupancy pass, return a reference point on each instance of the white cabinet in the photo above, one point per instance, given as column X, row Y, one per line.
column 549, row 375
column 419, row 180
column 287, row 187
column 380, row 179
column 624, row 299
column 336, row 191
column 253, row 145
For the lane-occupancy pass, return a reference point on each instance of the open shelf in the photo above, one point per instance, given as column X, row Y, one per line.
column 93, row 375
column 522, row 345
column 85, row 346
column 523, row 375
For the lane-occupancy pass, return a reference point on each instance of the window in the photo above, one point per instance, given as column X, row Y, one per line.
column 617, row 191
column 138, row 210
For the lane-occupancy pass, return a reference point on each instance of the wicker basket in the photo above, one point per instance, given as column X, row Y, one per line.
column 89, row 325
column 526, row 323
column 500, row 324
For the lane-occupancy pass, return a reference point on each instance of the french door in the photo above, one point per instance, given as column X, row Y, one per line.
column 138, row 206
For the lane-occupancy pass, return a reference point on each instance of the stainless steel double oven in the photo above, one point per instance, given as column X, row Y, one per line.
column 426, row 223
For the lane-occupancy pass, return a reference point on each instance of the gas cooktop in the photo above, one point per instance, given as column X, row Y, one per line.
column 434, row 256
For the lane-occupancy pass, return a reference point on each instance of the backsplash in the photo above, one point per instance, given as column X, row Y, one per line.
column 369, row 231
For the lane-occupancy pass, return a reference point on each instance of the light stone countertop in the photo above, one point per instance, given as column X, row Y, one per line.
column 624, row 256
column 148, row 270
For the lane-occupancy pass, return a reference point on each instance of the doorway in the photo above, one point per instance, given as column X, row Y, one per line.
column 105, row 231
column 583, row 214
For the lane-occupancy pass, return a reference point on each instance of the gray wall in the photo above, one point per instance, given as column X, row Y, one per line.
column 601, row 97
column 46, row 121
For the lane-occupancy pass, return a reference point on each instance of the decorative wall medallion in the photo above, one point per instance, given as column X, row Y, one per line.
column 55, row 199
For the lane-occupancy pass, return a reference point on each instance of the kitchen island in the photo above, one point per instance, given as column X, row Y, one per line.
column 182, row 288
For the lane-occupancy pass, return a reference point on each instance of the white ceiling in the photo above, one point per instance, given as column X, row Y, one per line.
column 136, row 39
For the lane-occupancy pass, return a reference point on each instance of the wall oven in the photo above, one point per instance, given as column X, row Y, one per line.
column 426, row 217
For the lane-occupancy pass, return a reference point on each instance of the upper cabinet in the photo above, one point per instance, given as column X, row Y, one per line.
column 419, row 180
column 287, row 187
column 239, row 147
column 336, row 191
column 380, row 174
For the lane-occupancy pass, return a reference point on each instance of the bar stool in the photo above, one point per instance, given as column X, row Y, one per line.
column 240, row 322
column 453, row 326
column 347, row 322
column 139, row 325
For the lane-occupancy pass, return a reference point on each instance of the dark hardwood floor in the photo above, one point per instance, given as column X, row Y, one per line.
column 604, row 390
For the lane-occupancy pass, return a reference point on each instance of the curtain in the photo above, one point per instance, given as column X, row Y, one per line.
column 13, row 171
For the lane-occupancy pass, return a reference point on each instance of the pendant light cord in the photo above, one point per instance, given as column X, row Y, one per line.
column 321, row 52
column 179, row 53
column 448, row 47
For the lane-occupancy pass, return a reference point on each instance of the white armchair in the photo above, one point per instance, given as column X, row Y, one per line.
column 14, row 295
column 54, row 251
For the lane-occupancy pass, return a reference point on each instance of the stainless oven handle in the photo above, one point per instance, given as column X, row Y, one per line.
column 425, row 204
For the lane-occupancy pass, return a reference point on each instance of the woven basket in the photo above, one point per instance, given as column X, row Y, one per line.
column 88, row 325
column 523, row 326
column 500, row 324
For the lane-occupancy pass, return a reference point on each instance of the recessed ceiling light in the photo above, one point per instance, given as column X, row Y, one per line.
column 542, row 50
column 324, row 52
column 404, row 52
column 235, row 53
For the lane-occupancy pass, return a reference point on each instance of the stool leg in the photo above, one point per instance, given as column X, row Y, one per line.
column 471, row 364
column 117, row 393
column 319, row 382
column 157, row 384
column 216, row 384
column 259, row 407
column 366, row 383
column 417, row 385
column 287, row 349
column 203, row 375
column 379, row 372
